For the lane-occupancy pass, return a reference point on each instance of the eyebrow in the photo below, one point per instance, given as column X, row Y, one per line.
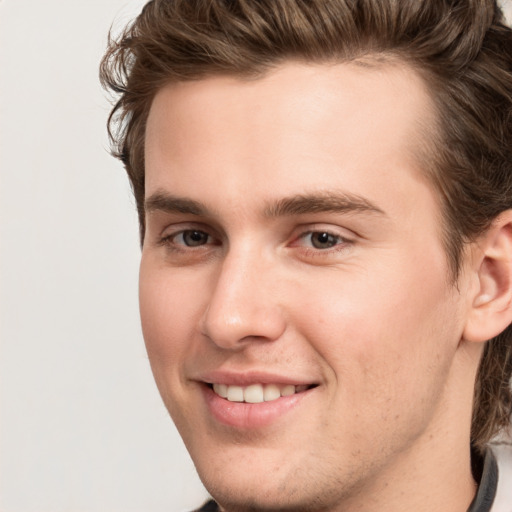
column 322, row 202
column 161, row 201
column 301, row 204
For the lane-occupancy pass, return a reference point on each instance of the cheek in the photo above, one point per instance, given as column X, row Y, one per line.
column 167, row 309
column 388, row 355
column 384, row 332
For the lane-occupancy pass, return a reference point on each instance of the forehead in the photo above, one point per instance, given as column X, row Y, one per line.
column 302, row 125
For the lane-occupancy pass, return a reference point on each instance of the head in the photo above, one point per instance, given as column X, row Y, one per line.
column 457, row 54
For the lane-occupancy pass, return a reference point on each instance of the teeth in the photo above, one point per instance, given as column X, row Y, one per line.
column 221, row 390
column 256, row 393
column 253, row 394
column 287, row 390
column 235, row 394
column 271, row 392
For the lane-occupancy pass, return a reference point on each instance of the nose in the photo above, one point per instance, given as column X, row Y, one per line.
column 243, row 305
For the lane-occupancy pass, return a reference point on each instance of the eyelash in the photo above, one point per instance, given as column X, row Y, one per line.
column 340, row 243
column 169, row 240
column 338, row 240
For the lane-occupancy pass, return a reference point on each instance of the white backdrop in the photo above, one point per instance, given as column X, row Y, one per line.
column 82, row 428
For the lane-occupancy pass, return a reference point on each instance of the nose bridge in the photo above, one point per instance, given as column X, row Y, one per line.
column 243, row 305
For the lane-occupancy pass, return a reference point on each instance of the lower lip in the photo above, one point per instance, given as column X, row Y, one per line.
column 245, row 415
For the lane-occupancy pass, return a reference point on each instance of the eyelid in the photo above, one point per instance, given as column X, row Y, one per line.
column 171, row 231
column 346, row 241
column 181, row 234
column 336, row 231
column 185, row 225
column 340, row 239
column 324, row 232
column 346, row 237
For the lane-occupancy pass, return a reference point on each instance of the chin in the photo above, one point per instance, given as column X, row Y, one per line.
column 267, row 484
column 254, row 500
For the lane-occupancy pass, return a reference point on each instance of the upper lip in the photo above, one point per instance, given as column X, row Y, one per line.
column 245, row 378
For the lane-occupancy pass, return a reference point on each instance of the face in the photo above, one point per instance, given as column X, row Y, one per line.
column 294, row 292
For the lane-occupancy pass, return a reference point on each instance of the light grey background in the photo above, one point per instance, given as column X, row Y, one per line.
column 82, row 428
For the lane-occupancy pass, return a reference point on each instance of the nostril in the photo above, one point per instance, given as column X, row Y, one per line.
column 242, row 326
column 240, row 312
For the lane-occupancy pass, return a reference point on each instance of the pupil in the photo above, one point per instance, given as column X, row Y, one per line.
column 323, row 240
column 194, row 238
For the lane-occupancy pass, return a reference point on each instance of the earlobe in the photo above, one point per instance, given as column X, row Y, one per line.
column 491, row 308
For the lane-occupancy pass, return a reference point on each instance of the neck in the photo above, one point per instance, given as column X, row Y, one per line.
column 428, row 479
column 434, row 472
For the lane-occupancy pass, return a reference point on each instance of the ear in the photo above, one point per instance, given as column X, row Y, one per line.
column 491, row 309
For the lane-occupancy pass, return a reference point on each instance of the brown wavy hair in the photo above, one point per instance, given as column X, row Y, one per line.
column 461, row 48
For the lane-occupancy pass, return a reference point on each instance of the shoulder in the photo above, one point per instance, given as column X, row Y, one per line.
column 209, row 506
column 503, row 499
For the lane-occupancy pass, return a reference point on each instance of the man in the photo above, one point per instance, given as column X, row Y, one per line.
column 325, row 191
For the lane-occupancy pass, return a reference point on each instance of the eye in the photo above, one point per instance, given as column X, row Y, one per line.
column 322, row 245
column 191, row 238
column 320, row 240
column 323, row 239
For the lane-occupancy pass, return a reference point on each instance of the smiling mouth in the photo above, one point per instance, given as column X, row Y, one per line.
column 257, row 393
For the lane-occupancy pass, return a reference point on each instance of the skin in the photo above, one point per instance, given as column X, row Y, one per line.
column 373, row 321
